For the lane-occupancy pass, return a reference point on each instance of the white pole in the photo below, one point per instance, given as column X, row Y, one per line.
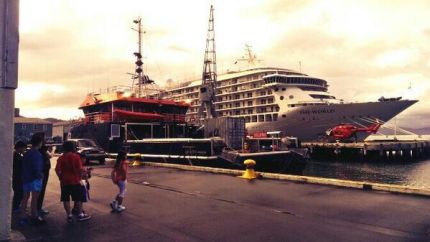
column 9, row 39
column 395, row 128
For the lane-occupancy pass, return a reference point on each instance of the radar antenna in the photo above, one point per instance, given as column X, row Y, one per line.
column 209, row 76
column 250, row 58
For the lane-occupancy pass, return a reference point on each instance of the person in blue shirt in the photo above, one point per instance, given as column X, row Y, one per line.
column 46, row 155
column 32, row 178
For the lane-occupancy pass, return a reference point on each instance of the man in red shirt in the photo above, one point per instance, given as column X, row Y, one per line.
column 69, row 170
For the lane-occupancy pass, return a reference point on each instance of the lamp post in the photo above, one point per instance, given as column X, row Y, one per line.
column 9, row 39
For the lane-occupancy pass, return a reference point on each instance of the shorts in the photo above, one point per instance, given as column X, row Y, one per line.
column 122, row 185
column 34, row 186
column 74, row 191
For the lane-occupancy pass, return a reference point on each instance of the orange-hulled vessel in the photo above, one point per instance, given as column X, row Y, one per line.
column 122, row 106
column 121, row 113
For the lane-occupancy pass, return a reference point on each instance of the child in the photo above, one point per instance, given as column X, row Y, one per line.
column 119, row 178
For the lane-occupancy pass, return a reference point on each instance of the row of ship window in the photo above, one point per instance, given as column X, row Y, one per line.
column 238, row 97
column 236, row 88
column 274, row 117
column 227, row 83
column 238, row 112
column 277, row 79
column 295, row 80
column 249, row 103
column 221, row 84
column 261, row 118
column 244, row 95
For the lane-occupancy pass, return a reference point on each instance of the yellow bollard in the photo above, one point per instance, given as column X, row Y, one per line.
column 137, row 160
column 249, row 172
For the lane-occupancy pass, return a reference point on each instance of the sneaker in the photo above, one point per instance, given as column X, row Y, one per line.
column 120, row 208
column 83, row 217
column 43, row 212
column 69, row 218
column 114, row 205
column 37, row 221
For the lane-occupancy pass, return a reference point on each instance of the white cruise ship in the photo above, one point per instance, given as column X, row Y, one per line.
column 276, row 99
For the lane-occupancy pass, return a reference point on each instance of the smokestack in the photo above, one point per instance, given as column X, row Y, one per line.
column 17, row 112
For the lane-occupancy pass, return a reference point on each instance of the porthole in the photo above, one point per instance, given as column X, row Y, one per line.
column 282, row 98
column 291, row 96
column 284, row 116
column 276, row 89
column 283, row 89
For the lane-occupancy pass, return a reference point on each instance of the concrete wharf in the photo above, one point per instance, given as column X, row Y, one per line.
column 171, row 204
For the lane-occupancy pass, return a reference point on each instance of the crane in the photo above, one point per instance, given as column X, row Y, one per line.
column 209, row 75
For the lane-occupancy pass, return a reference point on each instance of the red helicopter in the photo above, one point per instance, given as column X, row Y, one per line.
column 346, row 131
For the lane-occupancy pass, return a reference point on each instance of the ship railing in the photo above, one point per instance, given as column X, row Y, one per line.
column 174, row 117
column 103, row 117
column 119, row 88
column 316, row 101
column 98, row 117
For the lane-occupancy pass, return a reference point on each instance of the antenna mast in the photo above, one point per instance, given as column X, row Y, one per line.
column 209, row 76
column 138, row 55
column 142, row 79
column 249, row 57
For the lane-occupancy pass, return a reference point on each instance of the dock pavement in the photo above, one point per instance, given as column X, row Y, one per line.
column 165, row 204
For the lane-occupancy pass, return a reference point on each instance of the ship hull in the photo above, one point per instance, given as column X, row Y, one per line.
column 309, row 123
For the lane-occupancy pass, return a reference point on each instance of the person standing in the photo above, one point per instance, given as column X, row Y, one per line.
column 32, row 178
column 69, row 170
column 119, row 178
column 17, row 175
column 46, row 155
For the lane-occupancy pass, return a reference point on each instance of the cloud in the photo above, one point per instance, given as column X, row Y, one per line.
column 39, row 95
column 364, row 49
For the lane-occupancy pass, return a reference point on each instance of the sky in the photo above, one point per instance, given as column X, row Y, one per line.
column 364, row 49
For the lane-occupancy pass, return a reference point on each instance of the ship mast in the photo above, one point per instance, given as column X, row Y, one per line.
column 142, row 79
column 250, row 58
column 209, row 75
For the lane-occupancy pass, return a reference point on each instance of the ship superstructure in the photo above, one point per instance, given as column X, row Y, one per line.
column 114, row 115
column 277, row 99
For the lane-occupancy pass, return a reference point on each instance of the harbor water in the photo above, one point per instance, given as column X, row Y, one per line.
column 414, row 174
